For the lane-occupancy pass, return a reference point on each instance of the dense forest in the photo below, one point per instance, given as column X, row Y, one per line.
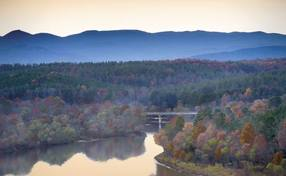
column 162, row 84
column 247, row 135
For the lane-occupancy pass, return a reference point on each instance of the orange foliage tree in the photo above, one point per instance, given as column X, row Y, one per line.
column 247, row 134
column 277, row 158
column 198, row 129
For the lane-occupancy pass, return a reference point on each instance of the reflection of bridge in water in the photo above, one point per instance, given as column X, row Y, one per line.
column 161, row 118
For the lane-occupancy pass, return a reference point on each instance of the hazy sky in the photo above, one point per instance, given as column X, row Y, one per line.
column 63, row 17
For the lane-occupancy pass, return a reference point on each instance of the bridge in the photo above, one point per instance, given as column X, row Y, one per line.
column 161, row 118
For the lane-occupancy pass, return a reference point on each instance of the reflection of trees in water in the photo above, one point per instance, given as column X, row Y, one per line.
column 57, row 155
column 119, row 147
column 153, row 128
column 17, row 164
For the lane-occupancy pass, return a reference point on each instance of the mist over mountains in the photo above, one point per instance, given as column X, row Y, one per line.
column 125, row 45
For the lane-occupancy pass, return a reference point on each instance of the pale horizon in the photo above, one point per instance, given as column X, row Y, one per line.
column 65, row 17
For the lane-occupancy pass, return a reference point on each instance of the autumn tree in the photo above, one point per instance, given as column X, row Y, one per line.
column 161, row 138
column 259, row 148
column 281, row 137
column 176, row 124
column 277, row 158
column 248, row 92
column 236, row 108
column 259, row 106
column 197, row 130
column 247, row 134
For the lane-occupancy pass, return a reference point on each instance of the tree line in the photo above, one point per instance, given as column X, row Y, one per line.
column 48, row 121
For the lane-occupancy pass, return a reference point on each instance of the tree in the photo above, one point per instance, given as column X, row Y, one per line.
column 247, row 134
column 203, row 114
column 270, row 121
column 236, row 108
column 259, row 106
column 275, row 101
column 5, row 106
column 176, row 124
column 161, row 138
column 188, row 128
column 171, row 100
column 281, row 137
column 197, row 130
column 225, row 100
column 210, row 132
column 259, row 148
column 179, row 141
column 218, row 153
column 248, row 92
column 277, row 158
column 219, row 119
column 164, row 99
column 260, row 143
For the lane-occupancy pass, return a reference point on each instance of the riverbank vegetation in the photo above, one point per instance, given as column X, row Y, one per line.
column 241, row 133
column 190, row 168
column 49, row 121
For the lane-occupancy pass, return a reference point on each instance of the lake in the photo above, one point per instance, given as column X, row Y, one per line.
column 118, row 156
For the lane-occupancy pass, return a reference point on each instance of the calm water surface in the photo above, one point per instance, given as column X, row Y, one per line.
column 120, row 156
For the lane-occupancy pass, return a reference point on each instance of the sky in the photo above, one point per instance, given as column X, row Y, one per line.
column 65, row 17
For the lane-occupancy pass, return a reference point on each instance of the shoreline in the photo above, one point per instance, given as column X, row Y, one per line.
column 23, row 148
column 190, row 168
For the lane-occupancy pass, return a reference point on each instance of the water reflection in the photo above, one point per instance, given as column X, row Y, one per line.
column 120, row 156
column 120, row 148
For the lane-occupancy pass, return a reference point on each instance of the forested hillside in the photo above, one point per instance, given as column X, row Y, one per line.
column 159, row 83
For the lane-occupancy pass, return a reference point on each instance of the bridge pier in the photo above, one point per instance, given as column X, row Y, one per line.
column 160, row 121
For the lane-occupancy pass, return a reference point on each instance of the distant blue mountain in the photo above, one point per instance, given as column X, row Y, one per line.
column 249, row 53
column 94, row 46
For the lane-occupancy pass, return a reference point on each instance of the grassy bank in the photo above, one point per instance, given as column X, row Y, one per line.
column 190, row 168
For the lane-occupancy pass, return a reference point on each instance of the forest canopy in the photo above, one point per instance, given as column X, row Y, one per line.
column 186, row 81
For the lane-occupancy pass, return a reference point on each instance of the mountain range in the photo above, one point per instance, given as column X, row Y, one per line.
column 125, row 45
